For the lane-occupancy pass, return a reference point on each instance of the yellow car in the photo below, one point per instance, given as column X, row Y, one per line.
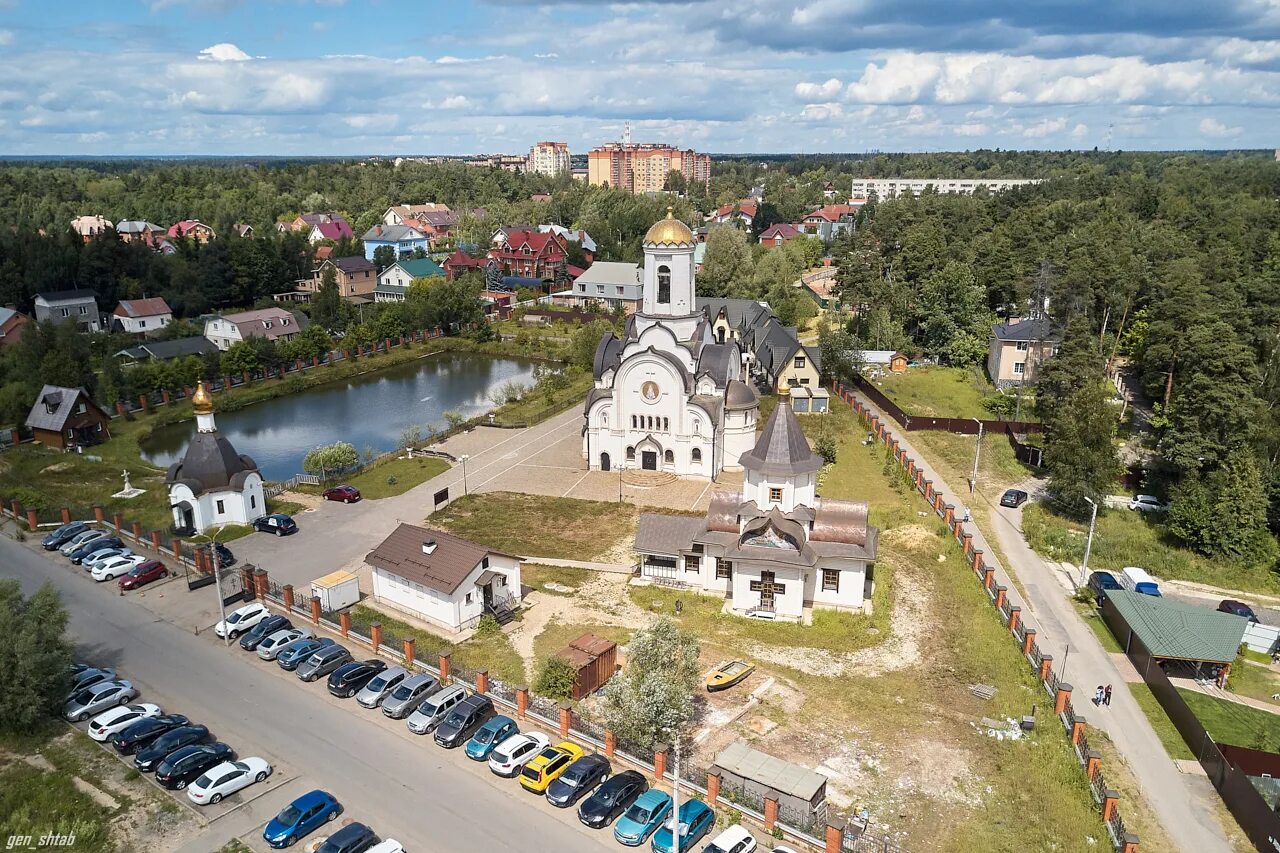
column 547, row 766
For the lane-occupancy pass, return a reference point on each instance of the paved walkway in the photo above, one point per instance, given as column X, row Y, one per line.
column 1225, row 695
column 1183, row 808
column 617, row 568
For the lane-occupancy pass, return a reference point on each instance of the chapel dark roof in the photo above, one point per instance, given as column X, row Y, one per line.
column 210, row 464
column 782, row 449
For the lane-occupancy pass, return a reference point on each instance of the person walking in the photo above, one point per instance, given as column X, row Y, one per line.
column 1098, row 694
column 1106, row 698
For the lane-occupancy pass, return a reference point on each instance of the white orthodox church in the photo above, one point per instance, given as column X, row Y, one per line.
column 212, row 485
column 667, row 396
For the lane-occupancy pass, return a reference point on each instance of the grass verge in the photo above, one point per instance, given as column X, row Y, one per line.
column 944, row 392
column 1233, row 723
column 390, row 478
column 494, row 652
column 540, row 577
column 557, row 635
column 1256, row 682
column 564, row 528
column 1164, row 728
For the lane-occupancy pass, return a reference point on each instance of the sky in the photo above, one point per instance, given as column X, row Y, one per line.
column 358, row 77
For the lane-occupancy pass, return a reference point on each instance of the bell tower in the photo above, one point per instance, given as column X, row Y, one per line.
column 668, row 269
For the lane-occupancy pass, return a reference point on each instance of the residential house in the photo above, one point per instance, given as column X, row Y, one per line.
column 548, row 158
column 242, row 230
column 140, row 230
column 831, row 220
column 742, row 213
column 402, row 238
column 771, row 351
column 439, row 225
column 1016, row 349
column 442, row 579
column 574, row 235
column 12, row 322
column 887, row 359
column 70, row 306
column 141, row 316
column 394, row 281
column 166, row 350
column 540, row 197
column 610, row 283
column 67, row 417
column 334, row 230
column 354, row 275
column 460, row 262
column 779, row 233
column 274, row 324
column 89, row 227
column 398, row 213
column 193, row 229
column 530, row 254
column 828, row 190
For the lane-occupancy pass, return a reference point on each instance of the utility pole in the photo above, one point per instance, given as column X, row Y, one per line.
column 977, row 454
column 1088, row 543
column 217, row 582
column 675, row 801
column 464, row 457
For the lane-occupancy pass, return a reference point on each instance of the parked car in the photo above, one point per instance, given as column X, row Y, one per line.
column 1100, row 582
column 644, row 816
column 352, row 838
column 55, row 539
column 735, row 839
column 350, row 678
column 509, row 757
column 1137, row 579
column 323, row 662
column 546, row 766
column 268, row 626
column 1239, row 608
column 88, row 677
column 431, row 712
column 148, row 571
column 408, row 695
column 97, row 698
column 93, row 546
column 227, row 778
column 242, row 619
column 1148, row 503
column 117, row 567
column 296, row 653
column 120, row 718
column 614, row 796
column 168, row 743
column 488, row 736
column 467, row 716
column 1013, row 498
column 577, row 779
column 695, row 820
column 388, row 846
column 70, row 546
column 225, row 557
column 343, row 494
column 179, row 769
column 143, row 732
column 372, row 694
column 273, row 644
column 301, row 817
column 279, row 524
column 106, row 555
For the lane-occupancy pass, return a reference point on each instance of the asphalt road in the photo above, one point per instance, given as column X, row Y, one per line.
column 402, row 785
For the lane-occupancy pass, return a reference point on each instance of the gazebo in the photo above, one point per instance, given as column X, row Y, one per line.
column 1173, row 631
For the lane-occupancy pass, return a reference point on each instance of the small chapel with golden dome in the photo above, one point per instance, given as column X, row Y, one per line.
column 668, row 396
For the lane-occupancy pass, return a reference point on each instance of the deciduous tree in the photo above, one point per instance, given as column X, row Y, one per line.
column 651, row 700
column 36, row 657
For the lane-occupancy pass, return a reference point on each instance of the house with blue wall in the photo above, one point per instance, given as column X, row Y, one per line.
column 403, row 238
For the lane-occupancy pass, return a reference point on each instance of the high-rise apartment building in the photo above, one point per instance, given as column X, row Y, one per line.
column 643, row 168
column 548, row 158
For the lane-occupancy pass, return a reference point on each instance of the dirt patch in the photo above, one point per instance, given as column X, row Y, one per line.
column 309, row 501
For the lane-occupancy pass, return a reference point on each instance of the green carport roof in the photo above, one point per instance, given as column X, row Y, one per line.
column 1178, row 631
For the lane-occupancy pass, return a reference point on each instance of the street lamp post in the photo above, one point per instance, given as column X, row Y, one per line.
column 977, row 454
column 212, row 539
column 1088, row 544
column 464, row 457
column 675, row 801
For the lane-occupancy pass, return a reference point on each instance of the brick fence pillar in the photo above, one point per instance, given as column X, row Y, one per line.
column 297, row 364
column 1110, row 798
column 315, row 361
column 315, row 610
column 566, row 718
column 966, row 543
column 409, row 648
column 164, row 396
column 928, row 490
column 117, row 519
column 16, row 508
column 226, row 383
column 66, row 515
column 949, row 515
column 1077, row 730
column 246, row 579
column 1130, row 843
column 713, row 789
column 288, row 597
column 175, row 545
column 659, row 761
column 245, row 376
column 143, row 402
column 155, row 540
column 482, row 682
column 988, row 577
column 1062, row 698
column 375, row 636
column 445, row 658
column 344, row 624
column 1046, row 666
column 1015, row 615
column 261, row 583
column 119, row 411
column 522, row 700
column 186, row 391
column 1029, row 640
column 137, row 531
column 835, row 836
column 33, row 520
column 770, row 813
column 199, row 562
column 610, row 743
column 1091, row 762
column 99, row 513
column 957, row 529
column 1001, row 592
column 977, row 560
column 937, row 502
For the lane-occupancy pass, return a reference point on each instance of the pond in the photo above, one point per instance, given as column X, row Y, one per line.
column 367, row 411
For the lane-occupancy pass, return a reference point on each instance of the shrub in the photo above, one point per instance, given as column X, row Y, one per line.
column 487, row 627
column 555, row 679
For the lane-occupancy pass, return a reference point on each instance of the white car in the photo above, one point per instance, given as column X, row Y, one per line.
column 227, row 778
column 106, row 555
column 1147, row 503
column 515, row 752
column 388, row 846
column 735, row 839
column 117, row 567
column 271, row 647
column 118, row 719
column 242, row 619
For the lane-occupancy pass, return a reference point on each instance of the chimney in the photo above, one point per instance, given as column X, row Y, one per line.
column 378, row 230
column 429, row 546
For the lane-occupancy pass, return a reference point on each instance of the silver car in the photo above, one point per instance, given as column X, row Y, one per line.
column 432, row 712
column 378, row 688
column 87, row 678
column 323, row 662
column 93, row 700
column 408, row 695
column 270, row 648
column 81, row 539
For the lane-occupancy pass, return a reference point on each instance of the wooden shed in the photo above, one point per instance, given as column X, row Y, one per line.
column 594, row 660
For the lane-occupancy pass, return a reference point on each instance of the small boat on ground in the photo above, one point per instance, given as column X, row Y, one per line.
column 727, row 675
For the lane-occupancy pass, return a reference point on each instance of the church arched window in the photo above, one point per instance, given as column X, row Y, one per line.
column 664, row 285
column 697, row 425
column 697, row 454
column 668, row 457
column 633, row 421
column 666, row 425
column 604, row 420
column 631, row 454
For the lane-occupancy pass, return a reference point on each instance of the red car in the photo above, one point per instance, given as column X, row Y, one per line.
column 143, row 574
column 346, row 494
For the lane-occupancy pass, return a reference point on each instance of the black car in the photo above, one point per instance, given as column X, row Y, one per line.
column 182, row 767
column 350, row 678
column 1100, row 582
column 467, row 716
column 1014, row 498
column 614, row 796
column 225, row 557
column 92, row 547
column 578, row 778
column 55, row 539
column 143, row 732
column 250, row 641
column 352, row 838
column 168, row 743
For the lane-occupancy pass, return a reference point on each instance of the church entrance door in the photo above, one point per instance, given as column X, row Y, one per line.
column 604, row 461
column 649, row 460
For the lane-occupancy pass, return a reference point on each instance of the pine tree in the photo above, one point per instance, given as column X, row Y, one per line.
column 1079, row 451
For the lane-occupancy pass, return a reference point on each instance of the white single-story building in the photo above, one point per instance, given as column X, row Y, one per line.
column 443, row 579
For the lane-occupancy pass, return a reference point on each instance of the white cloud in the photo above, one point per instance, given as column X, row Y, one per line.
column 1237, row 51
column 1218, row 130
column 972, row 128
column 455, row 102
column 821, row 112
column 819, row 91
column 1079, row 131
column 1046, row 127
column 224, row 52
column 6, row 37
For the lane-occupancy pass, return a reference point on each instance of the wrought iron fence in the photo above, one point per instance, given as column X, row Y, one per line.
column 546, row 708
column 866, row 843
column 589, row 729
column 1020, row 631
column 740, row 795
column 1116, row 827
column 1006, row 609
column 462, row 673
column 808, row 821
column 502, row 690
column 1037, row 656
column 1051, row 683
column 694, row 774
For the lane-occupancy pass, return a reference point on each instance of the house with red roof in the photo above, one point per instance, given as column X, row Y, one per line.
column 333, row 229
column 12, row 322
column 142, row 316
column 460, row 262
column 192, row 228
column 530, row 253
column 831, row 220
column 743, row 212
column 779, row 233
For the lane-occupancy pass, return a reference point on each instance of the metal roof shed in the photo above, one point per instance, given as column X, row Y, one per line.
column 1172, row 630
column 796, row 788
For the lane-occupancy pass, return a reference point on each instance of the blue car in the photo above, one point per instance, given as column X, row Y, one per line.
column 301, row 817
column 696, row 819
column 299, row 650
column 645, row 815
column 490, row 735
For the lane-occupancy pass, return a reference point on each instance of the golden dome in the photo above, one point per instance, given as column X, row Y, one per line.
column 201, row 401
column 669, row 232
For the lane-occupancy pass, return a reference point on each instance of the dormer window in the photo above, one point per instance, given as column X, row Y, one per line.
column 429, row 546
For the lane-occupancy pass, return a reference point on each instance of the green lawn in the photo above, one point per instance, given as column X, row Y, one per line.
column 564, row 528
column 536, row 406
column 1090, row 615
column 558, row 635
column 494, row 652
column 1256, row 682
column 536, row 576
column 376, row 482
column 1165, row 730
column 944, row 392
column 35, row 802
column 1122, row 538
column 1230, row 722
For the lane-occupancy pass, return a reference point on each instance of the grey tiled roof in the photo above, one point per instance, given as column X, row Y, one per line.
column 667, row 534
column 782, row 449
column 1041, row 329
column 62, row 402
